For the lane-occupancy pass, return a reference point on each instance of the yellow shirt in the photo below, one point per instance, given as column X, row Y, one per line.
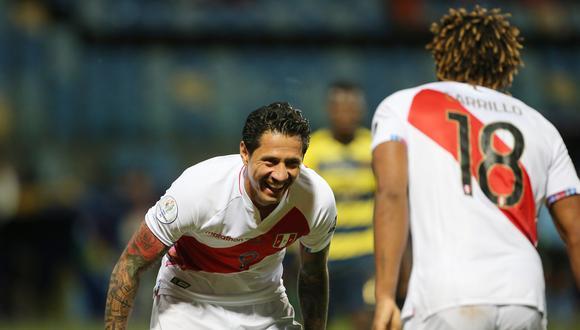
column 347, row 169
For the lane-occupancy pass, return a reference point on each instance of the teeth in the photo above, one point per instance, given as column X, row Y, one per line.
column 274, row 187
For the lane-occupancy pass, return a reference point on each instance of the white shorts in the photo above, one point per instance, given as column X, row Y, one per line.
column 480, row 317
column 171, row 313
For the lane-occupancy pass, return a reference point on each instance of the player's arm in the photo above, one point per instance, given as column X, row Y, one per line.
column 142, row 250
column 566, row 216
column 313, row 287
column 390, row 228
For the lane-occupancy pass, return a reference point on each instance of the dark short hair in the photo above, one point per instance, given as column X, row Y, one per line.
column 278, row 117
column 479, row 47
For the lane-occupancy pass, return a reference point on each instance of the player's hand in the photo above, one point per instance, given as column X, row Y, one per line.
column 387, row 316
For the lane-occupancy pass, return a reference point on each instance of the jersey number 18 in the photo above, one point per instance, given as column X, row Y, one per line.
column 490, row 158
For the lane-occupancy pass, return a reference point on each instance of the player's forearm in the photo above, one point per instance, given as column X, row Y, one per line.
column 566, row 215
column 391, row 231
column 313, row 295
column 143, row 250
column 574, row 256
column 121, row 295
column 571, row 236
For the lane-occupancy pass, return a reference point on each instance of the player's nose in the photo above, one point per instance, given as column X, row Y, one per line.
column 280, row 173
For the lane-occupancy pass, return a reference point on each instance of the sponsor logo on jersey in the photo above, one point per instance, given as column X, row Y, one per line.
column 283, row 240
column 224, row 237
column 166, row 210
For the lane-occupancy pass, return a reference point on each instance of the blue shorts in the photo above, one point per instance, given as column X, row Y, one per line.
column 346, row 280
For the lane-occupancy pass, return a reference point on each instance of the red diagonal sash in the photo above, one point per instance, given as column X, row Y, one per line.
column 428, row 114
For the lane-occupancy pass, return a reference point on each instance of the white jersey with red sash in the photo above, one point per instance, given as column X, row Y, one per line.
column 221, row 251
column 480, row 165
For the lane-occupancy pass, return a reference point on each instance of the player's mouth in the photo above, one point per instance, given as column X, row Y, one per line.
column 274, row 190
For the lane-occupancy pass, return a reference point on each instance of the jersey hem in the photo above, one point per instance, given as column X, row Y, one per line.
column 424, row 314
column 252, row 298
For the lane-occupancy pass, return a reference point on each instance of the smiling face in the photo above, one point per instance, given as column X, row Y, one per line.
column 271, row 168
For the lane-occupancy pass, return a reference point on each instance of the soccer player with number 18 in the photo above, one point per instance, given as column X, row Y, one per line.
column 467, row 166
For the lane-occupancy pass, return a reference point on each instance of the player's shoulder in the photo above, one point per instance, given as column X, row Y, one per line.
column 519, row 112
column 311, row 186
column 208, row 185
column 312, row 195
column 525, row 111
column 218, row 162
column 534, row 115
column 211, row 172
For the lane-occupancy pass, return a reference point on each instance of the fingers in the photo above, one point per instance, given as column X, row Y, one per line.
column 381, row 320
column 387, row 318
column 396, row 320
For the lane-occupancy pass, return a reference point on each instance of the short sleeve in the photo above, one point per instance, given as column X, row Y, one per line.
column 562, row 177
column 322, row 231
column 387, row 125
column 173, row 214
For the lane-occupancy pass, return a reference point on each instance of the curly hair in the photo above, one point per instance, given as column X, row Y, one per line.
column 278, row 117
column 478, row 47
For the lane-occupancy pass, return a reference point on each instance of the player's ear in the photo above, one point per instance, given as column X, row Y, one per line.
column 244, row 153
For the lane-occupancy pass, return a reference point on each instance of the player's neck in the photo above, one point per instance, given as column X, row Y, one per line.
column 343, row 138
column 265, row 210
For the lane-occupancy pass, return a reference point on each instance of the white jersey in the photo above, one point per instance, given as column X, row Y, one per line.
column 480, row 165
column 221, row 251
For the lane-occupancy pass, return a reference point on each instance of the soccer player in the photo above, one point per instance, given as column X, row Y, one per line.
column 222, row 229
column 468, row 166
column 340, row 154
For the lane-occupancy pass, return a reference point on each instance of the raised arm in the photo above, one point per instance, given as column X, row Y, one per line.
column 391, row 229
column 142, row 250
column 313, row 287
column 566, row 216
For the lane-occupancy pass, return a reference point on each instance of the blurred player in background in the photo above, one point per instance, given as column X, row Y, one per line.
column 469, row 165
column 222, row 229
column 340, row 154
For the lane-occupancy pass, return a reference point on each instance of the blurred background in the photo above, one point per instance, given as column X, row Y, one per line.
column 104, row 102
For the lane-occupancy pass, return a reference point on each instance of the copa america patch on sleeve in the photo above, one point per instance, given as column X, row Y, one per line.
column 166, row 210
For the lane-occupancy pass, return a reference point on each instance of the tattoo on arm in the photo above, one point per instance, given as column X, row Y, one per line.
column 143, row 250
column 313, row 289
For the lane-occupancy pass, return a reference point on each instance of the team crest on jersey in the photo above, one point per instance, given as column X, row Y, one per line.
column 283, row 240
column 166, row 211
